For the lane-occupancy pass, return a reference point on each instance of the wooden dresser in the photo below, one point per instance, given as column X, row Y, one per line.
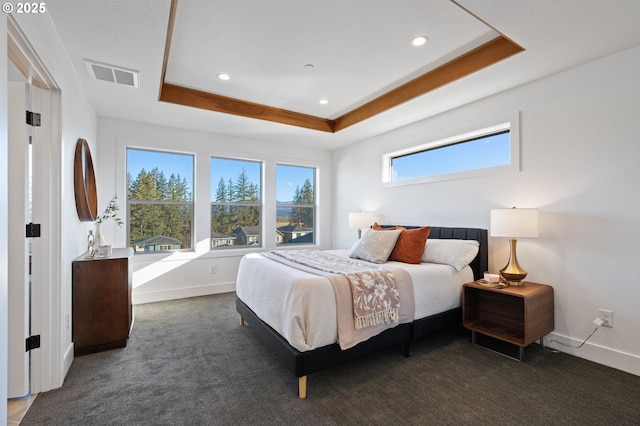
column 102, row 311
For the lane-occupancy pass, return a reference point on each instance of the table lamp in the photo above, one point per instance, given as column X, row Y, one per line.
column 359, row 221
column 514, row 223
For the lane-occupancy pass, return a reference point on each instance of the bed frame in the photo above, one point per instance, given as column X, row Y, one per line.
column 304, row 363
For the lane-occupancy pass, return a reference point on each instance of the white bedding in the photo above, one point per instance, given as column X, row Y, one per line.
column 301, row 306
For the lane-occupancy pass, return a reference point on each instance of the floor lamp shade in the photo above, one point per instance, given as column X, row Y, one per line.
column 514, row 223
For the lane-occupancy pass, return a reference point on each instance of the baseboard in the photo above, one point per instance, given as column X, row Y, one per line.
column 596, row 353
column 181, row 293
column 67, row 360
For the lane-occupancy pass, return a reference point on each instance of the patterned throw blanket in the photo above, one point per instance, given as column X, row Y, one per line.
column 376, row 299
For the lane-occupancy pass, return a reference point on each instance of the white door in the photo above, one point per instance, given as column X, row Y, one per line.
column 19, row 251
column 26, row 256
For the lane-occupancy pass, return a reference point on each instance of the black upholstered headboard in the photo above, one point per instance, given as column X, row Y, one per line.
column 480, row 264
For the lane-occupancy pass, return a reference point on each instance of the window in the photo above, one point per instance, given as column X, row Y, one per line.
column 295, row 204
column 236, row 203
column 469, row 154
column 159, row 200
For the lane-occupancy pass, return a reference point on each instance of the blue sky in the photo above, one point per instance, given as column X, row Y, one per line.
column 476, row 154
column 168, row 162
column 480, row 153
column 232, row 169
column 288, row 177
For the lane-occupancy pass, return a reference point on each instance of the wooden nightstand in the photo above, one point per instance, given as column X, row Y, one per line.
column 516, row 316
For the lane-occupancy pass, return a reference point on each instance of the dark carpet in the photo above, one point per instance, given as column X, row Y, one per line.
column 188, row 362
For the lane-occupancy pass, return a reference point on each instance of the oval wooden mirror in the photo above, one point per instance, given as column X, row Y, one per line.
column 84, row 183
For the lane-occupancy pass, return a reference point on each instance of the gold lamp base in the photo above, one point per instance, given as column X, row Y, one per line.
column 513, row 274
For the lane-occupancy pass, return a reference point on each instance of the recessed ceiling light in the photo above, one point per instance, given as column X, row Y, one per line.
column 324, row 101
column 223, row 76
column 419, row 40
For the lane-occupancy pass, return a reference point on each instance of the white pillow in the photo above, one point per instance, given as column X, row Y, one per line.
column 376, row 246
column 457, row 253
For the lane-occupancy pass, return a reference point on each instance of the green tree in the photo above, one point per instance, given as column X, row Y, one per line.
column 220, row 220
column 244, row 192
column 226, row 218
column 302, row 215
column 155, row 219
column 177, row 217
column 145, row 219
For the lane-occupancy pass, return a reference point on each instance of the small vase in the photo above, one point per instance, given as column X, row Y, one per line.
column 97, row 237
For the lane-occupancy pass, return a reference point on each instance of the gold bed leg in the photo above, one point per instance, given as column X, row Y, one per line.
column 241, row 321
column 302, row 387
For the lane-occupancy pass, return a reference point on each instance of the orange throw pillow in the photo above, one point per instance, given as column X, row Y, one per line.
column 377, row 227
column 410, row 245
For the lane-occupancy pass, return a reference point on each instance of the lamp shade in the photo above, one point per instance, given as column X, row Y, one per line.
column 514, row 223
column 359, row 220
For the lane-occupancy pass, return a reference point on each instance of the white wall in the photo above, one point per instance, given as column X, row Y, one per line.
column 68, row 234
column 580, row 151
column 186, row 274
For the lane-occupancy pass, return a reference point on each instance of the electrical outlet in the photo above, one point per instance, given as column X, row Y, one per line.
column 607, row 317
column 212, row 269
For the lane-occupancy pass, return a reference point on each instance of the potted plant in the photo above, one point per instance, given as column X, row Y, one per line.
column 110, row 212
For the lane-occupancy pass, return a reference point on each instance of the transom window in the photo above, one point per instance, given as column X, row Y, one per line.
column 468, row 154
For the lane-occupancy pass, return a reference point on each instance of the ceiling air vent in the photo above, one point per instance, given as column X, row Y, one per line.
column 112, row 73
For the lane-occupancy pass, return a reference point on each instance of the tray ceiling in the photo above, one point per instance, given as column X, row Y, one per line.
column 283, row 59
column 362, row 59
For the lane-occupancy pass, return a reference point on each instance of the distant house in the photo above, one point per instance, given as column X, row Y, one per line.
column 303, row 239
column 157, row 243
column 293, row 233
column 219, row 239
column 279, row 237
column 247, row 235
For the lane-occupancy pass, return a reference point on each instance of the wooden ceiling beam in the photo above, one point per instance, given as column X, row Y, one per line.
column 210, row 101
column 476, row 59
column 487, row 54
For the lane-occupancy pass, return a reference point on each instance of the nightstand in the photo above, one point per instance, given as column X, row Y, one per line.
column 507, row 319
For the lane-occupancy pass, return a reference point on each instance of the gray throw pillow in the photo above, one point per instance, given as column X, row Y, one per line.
column 375, row 246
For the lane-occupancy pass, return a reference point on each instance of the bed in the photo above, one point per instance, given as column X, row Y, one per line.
column 265, row 301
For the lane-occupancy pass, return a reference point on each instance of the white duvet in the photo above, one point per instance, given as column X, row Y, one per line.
column 301, row 306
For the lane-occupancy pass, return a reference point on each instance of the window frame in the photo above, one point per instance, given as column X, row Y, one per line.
column 313, row 206
column 511, row 124
column 260, row 205
column 201, row 146
column 129, row 202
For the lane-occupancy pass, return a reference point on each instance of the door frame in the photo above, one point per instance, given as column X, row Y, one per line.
column 47, row 362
